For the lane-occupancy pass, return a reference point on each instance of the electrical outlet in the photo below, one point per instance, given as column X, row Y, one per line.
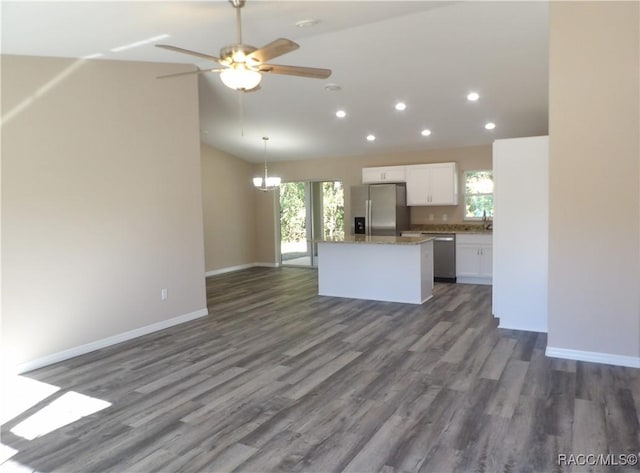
column 164, row 294
column 445, row 217
column 431, row 217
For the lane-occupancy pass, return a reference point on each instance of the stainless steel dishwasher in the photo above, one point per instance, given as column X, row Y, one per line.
column 444, row 257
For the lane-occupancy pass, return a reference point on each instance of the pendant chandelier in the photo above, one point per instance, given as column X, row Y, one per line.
column 266, row 183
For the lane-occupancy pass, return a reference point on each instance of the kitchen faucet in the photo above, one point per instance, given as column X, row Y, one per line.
column 485, row 224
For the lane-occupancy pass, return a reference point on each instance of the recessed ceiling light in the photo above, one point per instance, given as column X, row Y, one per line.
column 371, row 137
column 332, row 87
column 307, row 23
column 425, row 132
column 401, row 106
column 473, row 96
column 341, row 114
column 490, row 126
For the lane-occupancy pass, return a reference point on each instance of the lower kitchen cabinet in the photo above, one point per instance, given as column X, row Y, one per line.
column 474, row 258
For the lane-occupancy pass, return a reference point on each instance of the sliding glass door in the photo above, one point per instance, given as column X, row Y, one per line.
column 294, row 224
column 309, row 210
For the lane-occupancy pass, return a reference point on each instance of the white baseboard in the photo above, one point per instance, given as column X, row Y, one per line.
column 267, row 265
column 520, row 327
column 594, row 357
column 474, row 280
column 239, row 267
column 105, row 342
column 229, row 269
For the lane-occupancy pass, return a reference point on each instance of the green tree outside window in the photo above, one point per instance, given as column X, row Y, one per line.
column 478, row 194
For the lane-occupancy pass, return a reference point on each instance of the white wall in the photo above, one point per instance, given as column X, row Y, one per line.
column 229, row 210
column 594, row 181
column 101, row 203
column 521, row 232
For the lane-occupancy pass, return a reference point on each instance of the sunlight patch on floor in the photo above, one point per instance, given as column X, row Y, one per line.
column 6, row 452
column 66, row 409
column 15, row 467
column 19, row 393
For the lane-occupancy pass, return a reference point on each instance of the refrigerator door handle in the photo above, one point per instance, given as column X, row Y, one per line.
column 368, row 223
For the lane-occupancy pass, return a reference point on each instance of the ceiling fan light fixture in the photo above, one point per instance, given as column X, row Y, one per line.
column 240, row 78
column 239, row 56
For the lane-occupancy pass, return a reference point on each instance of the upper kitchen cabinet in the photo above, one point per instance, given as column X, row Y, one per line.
column 383, row 174
column 432, row 184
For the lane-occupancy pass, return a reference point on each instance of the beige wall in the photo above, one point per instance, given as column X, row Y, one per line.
column 229, row 210
column 594, row 222
column 349, row 170
column 101, row 202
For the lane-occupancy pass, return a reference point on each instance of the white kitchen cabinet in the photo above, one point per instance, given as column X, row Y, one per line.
column 474, row 258
column 383, row 174
column 379, row 269
column 432, row 184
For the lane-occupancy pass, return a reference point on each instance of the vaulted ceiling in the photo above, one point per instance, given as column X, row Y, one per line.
column 429, row 55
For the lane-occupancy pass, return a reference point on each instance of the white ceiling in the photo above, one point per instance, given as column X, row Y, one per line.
column 428, row 54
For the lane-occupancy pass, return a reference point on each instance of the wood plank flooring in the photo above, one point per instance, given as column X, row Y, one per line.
column 279, row 379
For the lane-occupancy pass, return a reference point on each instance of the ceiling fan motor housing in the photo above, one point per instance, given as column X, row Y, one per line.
column 237, row 53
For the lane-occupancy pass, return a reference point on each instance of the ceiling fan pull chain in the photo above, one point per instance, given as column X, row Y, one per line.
column 241, row 112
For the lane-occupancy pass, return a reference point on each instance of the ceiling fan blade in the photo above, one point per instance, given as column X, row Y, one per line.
column 312, row 72
column 275, row 48
column 199, row 71
column 187, row 51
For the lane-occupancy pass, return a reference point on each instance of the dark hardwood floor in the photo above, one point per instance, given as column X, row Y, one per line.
column 278, row 378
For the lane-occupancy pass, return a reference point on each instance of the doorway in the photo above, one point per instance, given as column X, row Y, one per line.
column 309, row 210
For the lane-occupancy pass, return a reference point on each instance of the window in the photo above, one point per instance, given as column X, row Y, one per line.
column 478, row 194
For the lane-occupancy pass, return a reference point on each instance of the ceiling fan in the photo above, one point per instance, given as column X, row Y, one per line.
column 243, row 64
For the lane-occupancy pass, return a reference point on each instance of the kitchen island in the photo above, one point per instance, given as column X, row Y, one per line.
column 381, row 268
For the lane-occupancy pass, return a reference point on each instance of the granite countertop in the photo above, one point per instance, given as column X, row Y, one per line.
column 477, row 232
column 378, row 240
column 451, row 228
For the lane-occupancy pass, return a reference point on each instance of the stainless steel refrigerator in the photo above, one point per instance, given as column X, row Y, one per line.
column 379, row 209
